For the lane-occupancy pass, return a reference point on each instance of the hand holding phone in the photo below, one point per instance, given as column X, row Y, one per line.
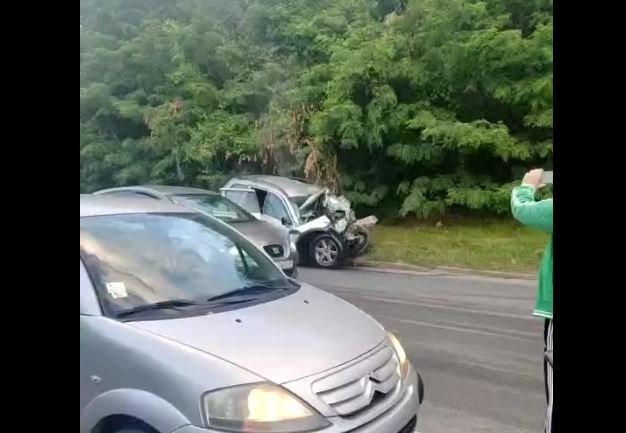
column 534, row 178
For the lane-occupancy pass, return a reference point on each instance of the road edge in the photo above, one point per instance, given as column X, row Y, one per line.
column 397, row 266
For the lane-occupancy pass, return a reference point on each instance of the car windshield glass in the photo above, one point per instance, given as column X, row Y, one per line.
column 216, row 206
column 150, row 259
column 299, row 200
column 296, row 203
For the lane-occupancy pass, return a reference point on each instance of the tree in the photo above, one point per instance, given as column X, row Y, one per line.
column 411, row 107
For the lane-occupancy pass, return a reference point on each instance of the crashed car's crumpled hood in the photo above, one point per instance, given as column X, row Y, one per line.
column 281, row 340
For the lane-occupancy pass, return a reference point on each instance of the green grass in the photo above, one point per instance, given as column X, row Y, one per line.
column 486, row 244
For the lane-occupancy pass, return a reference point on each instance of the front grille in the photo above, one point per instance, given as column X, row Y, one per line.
column 360, row 386
column 410, row 427
column 274, row 250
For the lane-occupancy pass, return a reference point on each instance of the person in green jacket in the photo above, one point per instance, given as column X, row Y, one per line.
column 538, row 215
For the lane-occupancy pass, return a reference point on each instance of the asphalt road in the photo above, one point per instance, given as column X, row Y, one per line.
column 472, row 339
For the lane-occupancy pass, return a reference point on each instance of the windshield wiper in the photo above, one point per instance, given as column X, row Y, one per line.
column 171, row 304
column 250, row 290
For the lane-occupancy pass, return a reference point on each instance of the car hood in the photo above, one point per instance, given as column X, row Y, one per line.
column 262, row 233
column 307, row 332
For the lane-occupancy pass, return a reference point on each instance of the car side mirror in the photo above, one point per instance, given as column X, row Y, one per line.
column 284, row 221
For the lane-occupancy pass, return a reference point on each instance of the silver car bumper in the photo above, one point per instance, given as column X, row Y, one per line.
column 401, row 418
column 289, row 263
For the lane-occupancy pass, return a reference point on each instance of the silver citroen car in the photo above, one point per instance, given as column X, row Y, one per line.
column 274, row 239
column 187, row 327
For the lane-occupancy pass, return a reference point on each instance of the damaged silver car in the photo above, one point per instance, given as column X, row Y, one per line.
column 325, row 229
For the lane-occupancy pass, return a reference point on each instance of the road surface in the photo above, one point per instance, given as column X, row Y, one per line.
column 472, row 338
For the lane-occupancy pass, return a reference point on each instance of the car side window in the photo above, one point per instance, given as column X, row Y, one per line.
column 246, row 199
column 274, row 207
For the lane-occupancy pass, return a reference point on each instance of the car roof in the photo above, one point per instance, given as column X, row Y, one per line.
column 291, row 187
column 162, row 189
column 96, row 205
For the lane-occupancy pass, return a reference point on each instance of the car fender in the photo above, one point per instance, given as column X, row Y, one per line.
column 136, row 403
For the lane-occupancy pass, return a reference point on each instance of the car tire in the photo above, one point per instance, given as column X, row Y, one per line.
column 324, row 251
column 133, row 427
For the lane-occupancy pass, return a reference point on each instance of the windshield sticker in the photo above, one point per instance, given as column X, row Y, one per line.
column 117, row 290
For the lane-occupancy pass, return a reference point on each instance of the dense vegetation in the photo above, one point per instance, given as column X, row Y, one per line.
column 412, row 107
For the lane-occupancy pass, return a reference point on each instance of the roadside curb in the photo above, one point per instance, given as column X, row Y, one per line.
column 396, row 266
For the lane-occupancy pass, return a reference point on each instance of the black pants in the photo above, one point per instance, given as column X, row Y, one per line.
column 547, row 373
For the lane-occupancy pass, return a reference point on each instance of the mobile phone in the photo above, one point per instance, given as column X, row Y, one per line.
column 546, row 177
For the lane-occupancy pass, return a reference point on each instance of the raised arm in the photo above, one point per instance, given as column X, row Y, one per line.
column 531, row 213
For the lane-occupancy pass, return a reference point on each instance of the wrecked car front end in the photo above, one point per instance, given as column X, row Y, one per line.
column 322, row 225
column 328, row 211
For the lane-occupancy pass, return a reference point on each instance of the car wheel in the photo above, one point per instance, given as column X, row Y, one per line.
column 324, row 250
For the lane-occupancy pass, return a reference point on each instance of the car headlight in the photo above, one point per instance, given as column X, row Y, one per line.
column 402, row 358
column 260, row 408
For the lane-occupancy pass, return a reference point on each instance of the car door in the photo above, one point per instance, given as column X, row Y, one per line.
column 275, row 208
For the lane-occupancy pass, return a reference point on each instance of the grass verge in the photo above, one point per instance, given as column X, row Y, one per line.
column 486, row 244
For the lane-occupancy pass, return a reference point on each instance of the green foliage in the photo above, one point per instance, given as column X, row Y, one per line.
column 426, row 106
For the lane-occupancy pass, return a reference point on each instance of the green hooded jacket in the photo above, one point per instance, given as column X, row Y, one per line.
column 537, row 214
